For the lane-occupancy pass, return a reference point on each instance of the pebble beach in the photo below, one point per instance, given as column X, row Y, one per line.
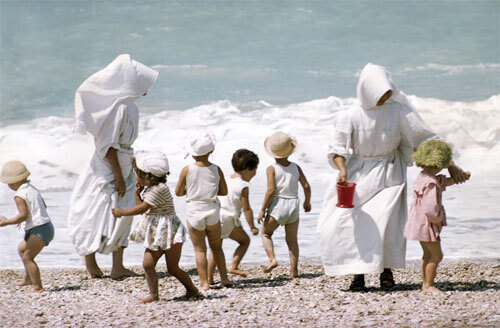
column 470, row 298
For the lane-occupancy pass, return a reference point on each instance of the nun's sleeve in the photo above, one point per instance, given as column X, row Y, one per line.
column 413, row 132
column 111, row 131
column 340, row 141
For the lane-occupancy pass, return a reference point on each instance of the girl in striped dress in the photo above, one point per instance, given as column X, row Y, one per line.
column 160, row 230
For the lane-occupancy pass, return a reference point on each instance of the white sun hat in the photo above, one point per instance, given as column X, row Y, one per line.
column 154, row 162
column 200, row 143
column 280, row 145
column 14, row 171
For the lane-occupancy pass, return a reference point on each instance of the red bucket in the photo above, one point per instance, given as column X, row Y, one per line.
column 345, row 194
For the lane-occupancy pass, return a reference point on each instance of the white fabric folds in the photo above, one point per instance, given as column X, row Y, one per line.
column 377, row 142
column 153, row 162
column 98, row 96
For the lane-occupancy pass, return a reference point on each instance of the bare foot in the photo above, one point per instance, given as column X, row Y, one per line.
column 24, row 282
column 149, row 299
column 204, row 287
column 294, row 273
column 226, row 283
column 122, row 273
column 237, row 272
column 431, row 289
column 271, row 266
column 35, row 290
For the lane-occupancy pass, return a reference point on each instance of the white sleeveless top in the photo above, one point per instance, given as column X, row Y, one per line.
column 37, row 213
column 286, row 179
column 230, row 205
column 202, row 183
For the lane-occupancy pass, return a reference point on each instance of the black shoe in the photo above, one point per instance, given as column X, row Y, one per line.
column 386, row 279
column 358, row 283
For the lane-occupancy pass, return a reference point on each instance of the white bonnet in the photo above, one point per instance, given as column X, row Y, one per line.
column 153, row 162
column 199, row 143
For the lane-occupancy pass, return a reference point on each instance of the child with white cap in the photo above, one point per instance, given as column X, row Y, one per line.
column 281, row 202
column 201, row 182
column 39, row 230
column 160, row 230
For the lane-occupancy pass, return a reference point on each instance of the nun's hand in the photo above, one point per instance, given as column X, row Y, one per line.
column 120, row 187
column 342, row 177
column 457, row 174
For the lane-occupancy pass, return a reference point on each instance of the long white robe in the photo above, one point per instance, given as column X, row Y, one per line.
column 378, row 142
column 93, row 228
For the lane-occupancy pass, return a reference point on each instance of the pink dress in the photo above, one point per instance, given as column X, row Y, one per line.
column 426, row 209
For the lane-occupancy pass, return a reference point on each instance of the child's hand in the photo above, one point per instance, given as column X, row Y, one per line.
column 138, row 188
column 307, row 206
column 117, row 212
column 3, row 221
column 254, row 230
column 261, row 216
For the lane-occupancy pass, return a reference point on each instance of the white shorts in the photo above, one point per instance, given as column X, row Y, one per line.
column 227, row 224
column 284, row 210
column 201, row 215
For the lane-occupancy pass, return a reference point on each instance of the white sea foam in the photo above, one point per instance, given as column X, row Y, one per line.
column 454, row 69
column 56, row 156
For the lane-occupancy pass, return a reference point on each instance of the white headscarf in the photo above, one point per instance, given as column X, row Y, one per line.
column 97, row 97
column 373, row 83
column 199, row 143
column 153, row 162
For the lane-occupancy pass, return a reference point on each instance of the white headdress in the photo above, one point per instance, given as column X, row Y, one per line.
column 153, row 162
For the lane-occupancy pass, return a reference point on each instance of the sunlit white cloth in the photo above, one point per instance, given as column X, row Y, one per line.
column 378, row 143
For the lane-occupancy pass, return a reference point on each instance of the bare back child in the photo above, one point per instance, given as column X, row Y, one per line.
column 160, row 229
column 281, row 202
column 245, row 165
column 201, row 182
column 39, row 230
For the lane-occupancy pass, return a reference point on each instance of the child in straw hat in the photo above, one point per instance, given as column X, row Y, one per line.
column 427, row 216
column 39, row 230
column 281, row 202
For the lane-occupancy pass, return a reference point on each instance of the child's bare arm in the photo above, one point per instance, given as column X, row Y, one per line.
column 271, row 187
column 307, row 190
column 136, row 210
column 247, row 210
column 222, row 184
column 22, row 215
column 451, row 181
column 180, row 189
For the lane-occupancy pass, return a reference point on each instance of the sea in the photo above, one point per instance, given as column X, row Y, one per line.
column 245, row 69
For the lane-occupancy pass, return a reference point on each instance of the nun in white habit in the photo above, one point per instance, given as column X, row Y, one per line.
column 105, row 107
column 371, row 145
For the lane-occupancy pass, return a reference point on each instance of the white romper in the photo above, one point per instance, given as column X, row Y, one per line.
column 285, row 205
column 230, row 205
column 202, row 205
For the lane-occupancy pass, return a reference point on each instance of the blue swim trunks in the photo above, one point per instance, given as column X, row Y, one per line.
column 45, row 232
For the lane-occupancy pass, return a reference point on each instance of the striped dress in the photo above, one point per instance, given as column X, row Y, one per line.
column 159, row 228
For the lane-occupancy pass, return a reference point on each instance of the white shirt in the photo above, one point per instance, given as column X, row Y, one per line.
column 230, row 205
column 202, row 183
column 37, row 212
column 286, row 179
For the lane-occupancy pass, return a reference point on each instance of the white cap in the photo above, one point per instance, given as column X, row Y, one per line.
column 153, row 162
column 200, row 143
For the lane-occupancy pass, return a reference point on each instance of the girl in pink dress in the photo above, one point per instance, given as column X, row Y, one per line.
column 427, row 216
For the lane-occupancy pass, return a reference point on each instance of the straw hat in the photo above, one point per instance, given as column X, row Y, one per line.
column 200, row 143
column 280, row 145
column 14, row 171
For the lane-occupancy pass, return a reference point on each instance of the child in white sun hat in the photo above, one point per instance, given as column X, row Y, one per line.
column 202, row 182
column 281, row 202
column 39, row 230
column 160, row 230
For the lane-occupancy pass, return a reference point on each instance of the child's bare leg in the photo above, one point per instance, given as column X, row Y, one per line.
column 240, row 236
column 173, row 256
column 26, row 281
column 436, row 255
column 425, row 260
column 200, row 250
column 149, row 264
column 92, row 267
column 215, row 242
column 211, row 267
column 118, row 271
column 270, row 224
column 33, row 246
column 293, row 247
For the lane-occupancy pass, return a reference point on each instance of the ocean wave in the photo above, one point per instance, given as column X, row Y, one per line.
column 454, row 69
